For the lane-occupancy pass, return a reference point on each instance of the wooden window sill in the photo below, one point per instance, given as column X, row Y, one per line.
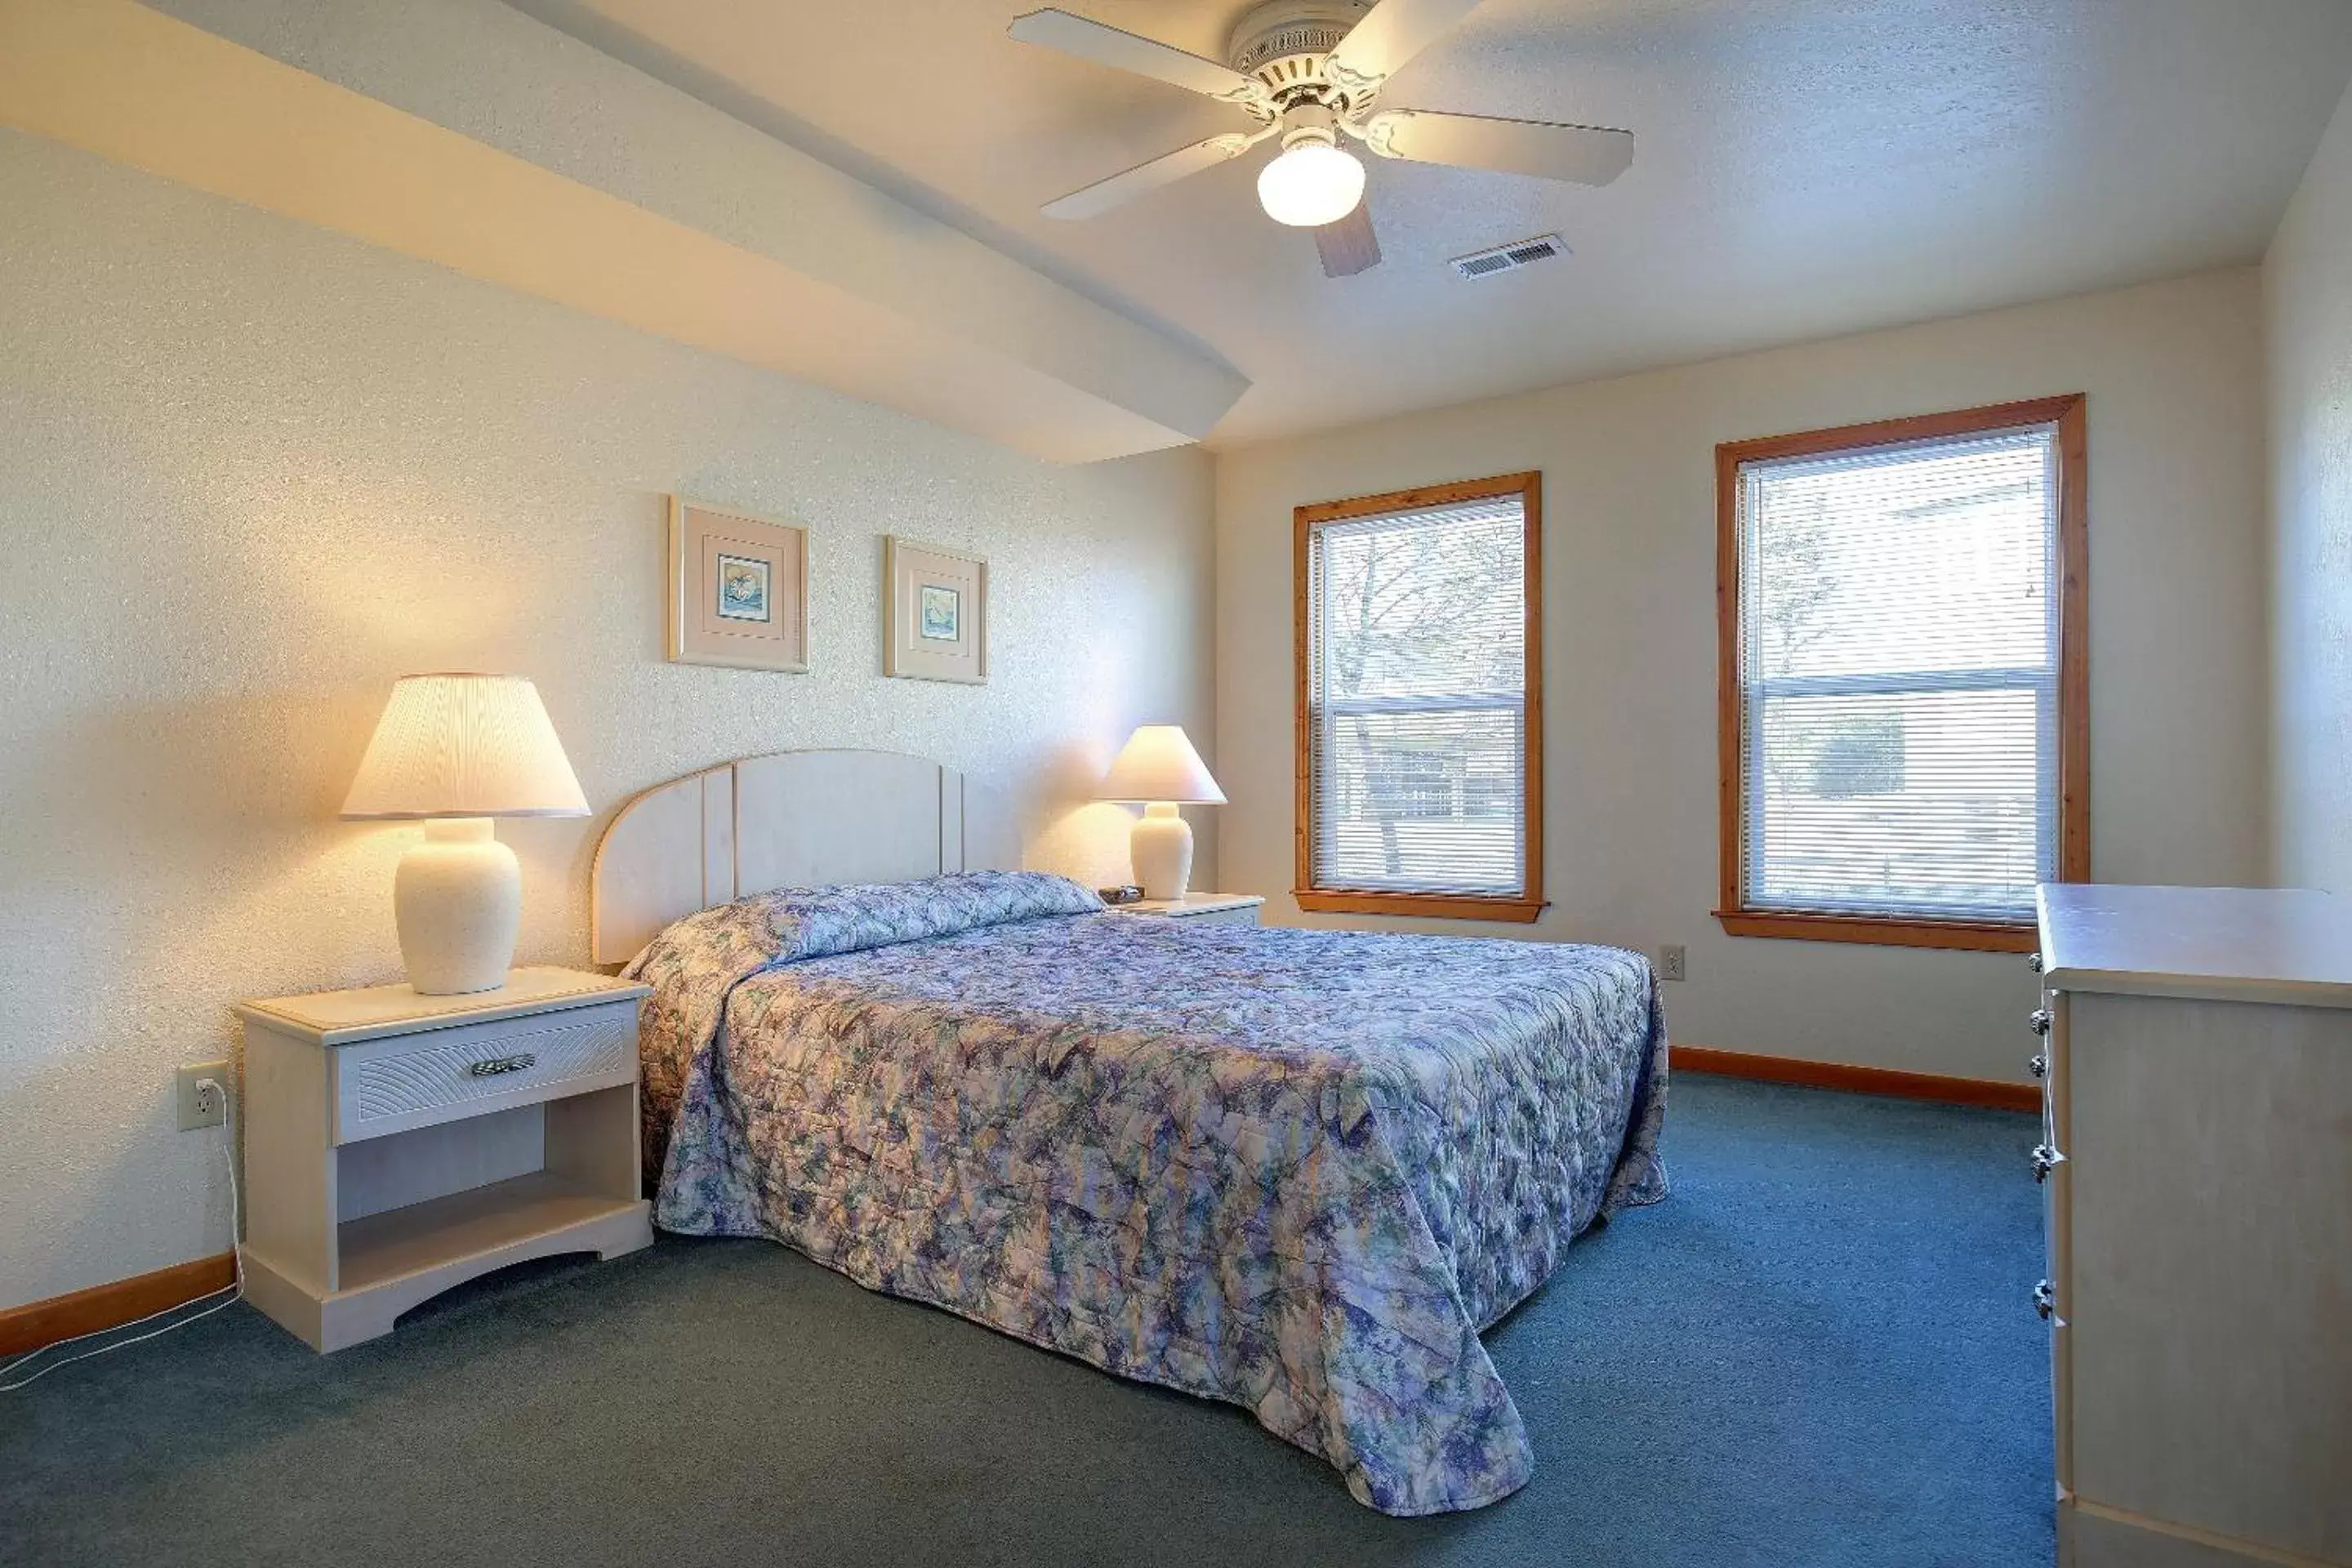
column 1429, row 906
column 1974, row 936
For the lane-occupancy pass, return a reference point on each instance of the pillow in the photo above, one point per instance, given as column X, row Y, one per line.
column 816, row 922
column 722, row 946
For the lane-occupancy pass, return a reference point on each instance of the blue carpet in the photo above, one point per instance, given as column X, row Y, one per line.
column 1819, row 1351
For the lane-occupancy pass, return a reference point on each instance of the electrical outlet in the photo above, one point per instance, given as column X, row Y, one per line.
column 202, row 1107
column 1670, row 961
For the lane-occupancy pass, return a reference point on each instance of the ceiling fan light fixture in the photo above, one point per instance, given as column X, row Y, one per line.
column 1310, row 184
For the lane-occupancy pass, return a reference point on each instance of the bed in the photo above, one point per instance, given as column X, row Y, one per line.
column 1299, row 1171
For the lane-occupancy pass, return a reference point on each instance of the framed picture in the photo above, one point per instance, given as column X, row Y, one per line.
column 934, row 613
column 737, row 588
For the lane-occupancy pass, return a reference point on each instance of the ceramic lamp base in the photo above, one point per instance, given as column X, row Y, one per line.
column 1162, row 850
column 458, row 899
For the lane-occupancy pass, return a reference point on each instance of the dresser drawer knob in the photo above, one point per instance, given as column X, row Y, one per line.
column 2038, row 1020
column 2046, row 1159
column 2033, row 962
column 2038, row 1063
column 2045, row 1300
column 497, row 1065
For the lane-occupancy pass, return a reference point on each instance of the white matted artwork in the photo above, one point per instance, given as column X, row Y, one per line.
column 934, row 613
column 737, row 588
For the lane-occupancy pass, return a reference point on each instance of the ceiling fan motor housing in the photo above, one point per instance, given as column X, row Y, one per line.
column 1286, row 44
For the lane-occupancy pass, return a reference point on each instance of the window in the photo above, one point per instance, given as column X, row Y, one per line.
column 1904, row 677
column 1420, row 720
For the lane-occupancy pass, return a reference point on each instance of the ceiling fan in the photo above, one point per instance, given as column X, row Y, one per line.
column 1310, row 72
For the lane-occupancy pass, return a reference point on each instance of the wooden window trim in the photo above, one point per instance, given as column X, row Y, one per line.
column 2067, row 414
column 1521, row 908
column 1429, row 906
column 1974, row 936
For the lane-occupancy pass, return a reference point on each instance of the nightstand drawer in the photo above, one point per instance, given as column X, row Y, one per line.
column 1198, row 908
column 1247, row 915
column 415, row 1080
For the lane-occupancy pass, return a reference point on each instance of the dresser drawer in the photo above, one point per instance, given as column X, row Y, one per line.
column 2057, row 1140
column 415, row 1080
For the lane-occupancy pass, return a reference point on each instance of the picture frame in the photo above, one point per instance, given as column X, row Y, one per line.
column 934, row 613
column 739, row 591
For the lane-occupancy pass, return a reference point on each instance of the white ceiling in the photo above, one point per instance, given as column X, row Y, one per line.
column 1804, row 168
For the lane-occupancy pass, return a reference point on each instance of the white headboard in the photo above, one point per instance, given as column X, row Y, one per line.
column 790, row 819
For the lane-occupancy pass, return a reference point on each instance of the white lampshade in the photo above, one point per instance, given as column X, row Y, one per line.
column 1158, row 763
column 465, row 745
column 1309, row 185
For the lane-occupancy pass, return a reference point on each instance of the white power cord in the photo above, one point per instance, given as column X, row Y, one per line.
column 235, row 1291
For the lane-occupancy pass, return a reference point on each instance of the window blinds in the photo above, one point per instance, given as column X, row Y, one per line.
column 1417, row 699
column 1898, row 667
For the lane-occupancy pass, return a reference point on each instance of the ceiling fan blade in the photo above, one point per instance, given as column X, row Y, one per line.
column 1145, row 56
column 1394, row 32
column 1582, row 155
column 1164, row 170
column 1350, row 246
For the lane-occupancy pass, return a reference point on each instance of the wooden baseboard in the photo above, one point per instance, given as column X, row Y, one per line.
column 1856, row 1079
column 38, row 1323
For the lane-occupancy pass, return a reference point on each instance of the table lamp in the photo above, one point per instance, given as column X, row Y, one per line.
column 456, row 749
column 1159, row 767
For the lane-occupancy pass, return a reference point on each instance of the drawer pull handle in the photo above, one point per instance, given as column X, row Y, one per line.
column 2038, row 1020
column 497, row 1065
column 2045, row 1300
column 2038, row 1063
column 2033, row 962
column 2046, row 1159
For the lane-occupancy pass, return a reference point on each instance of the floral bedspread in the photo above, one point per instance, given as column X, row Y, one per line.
column 1297, row 1170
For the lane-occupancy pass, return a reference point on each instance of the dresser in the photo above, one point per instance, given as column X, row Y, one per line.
column 2196, row 1058
column 397, row 1144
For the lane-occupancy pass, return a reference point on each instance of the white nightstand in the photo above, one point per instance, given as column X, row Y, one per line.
column 398, row 1145
column 1209, row 909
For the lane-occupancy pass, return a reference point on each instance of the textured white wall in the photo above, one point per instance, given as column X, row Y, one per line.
column 2308, row 285
column 2177, row 640
column 250, row 471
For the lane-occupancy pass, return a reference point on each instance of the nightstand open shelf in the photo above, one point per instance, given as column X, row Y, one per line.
column 398, row 1145
column 398, row 1243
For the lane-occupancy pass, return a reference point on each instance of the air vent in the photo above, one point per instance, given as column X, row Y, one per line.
column 1503, row 257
